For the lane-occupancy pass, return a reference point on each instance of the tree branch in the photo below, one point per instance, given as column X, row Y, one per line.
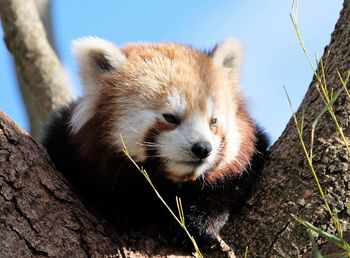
column 45, row 82
column 287, row 185
column 41, row 216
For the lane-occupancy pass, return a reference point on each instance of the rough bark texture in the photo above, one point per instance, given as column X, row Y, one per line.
column 41, row 216
column 37, row 209
column 287, row 185
column 44, row 82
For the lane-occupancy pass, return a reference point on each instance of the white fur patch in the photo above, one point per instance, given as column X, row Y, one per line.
column 133, row 127
column 211, row 106
column 229, row 55
column 233, row 139
column 176, row 146
column 82, row 49
column 83, row 112
column 177, row 103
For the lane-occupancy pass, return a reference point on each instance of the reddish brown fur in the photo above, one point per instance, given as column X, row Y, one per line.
column 89, row 152
column 246, row 151
column 153, row 71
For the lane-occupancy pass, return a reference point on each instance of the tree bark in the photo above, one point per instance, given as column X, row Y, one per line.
column 40, row 215
column 35, row 122
column 287, row 185
column 44, row 82
column 44, row 8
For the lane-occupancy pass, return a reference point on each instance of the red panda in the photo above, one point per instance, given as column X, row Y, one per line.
column 183, row 118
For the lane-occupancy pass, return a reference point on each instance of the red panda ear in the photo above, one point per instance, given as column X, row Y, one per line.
column 229, row 55
column 95, row 57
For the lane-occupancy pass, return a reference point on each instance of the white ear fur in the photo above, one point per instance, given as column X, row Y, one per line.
column 95, row 57
column 229, row 54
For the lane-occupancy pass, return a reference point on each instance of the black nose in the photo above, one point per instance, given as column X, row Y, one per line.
column 202, row 149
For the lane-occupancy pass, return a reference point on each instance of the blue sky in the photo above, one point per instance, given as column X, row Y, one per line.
column 273, row 57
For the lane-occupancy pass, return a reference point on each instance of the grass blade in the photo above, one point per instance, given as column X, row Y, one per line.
column 332, row 238
column 315, row 251
column 181, row 219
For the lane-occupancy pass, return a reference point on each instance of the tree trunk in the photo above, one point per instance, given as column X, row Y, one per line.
column 41, row 216
column 287, row 185
column 35, row 122
column 44, row 82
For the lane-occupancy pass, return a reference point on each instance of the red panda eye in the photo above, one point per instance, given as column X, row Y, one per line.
column 213, row 122
column 172, row 119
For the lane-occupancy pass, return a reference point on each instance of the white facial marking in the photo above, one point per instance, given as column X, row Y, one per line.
column 232, row 137
column 210, row 106
column 234, row 142
column 133, row 127
column 176, row 145
column 177, row 103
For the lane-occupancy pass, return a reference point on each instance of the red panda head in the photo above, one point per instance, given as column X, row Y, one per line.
column 170, row 102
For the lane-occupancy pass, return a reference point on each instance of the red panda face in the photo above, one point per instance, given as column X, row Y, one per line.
column 186, row 142
column 170, row 103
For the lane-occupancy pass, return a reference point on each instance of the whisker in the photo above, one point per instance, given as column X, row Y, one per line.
column 140, row 133
column 156, row 156
column 147, row 145
column 203, row 180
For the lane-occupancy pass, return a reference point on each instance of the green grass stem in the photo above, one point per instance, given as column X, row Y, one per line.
column 181, row 219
